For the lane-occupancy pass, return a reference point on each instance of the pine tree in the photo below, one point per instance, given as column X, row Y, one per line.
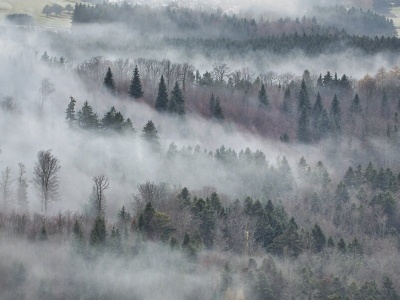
column 324, row 125
column 355, row 107
column 150, row 134
column 263, row 97
column 98, row 233
column 162, row 96
column 218, row 114
column 304, row 100
column 70, row 113
column 43, row 234
column 330, row 243
column 342, row 194
column 318, row 239
column 287, row 102
column 177, row 102
column 86, row 118
column 135, row 89
column 385, row 108
column 316, row 117
column 109, row 82
column 342, row 245
column 336, row 117
column 211, row 105
column 303, row 127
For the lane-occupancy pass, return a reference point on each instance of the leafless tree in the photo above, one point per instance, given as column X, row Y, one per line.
column 22, row 185
column 45, row 177
column 45, row 90
column 6, row 186
column 100, row 185
column 220, row 71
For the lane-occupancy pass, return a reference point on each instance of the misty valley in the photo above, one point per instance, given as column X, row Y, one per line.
column 200, row 150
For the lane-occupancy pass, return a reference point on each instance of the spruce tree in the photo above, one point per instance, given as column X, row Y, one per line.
column 304, row 100
column 336, row 117
column 70, row 113
column 263, row 97
column 109, row 82
column 150, row 135
column 355, row 107
column 287, row 102
column 324, row 125
column 135, row 89
column 98, row 233
column 303, row 127
column 161, row 104
column 87, row 119
column 177, row 102
column 218, row 114
column 318, row 239
column 211, row 105
column 316, row 116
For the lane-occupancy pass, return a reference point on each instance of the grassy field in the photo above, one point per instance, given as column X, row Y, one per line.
column 34, row 8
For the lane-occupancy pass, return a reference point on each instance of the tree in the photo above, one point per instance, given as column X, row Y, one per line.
column 135, row 89
column 45, row 177
column 263, row 98
column 303, row 127
column 22, row 187
column 318, row 239
column 304, row 100
column 336, row 116
column 109, row 83
column 217, row 113
column 150, row 134
column 101, row 184
column 45, row 90
column 70, row 112
column 211, row 105
column 6, row 186
column 87, row 119
column 162, row 96
column 287, row 102
column 98, row 233
column 177, row 102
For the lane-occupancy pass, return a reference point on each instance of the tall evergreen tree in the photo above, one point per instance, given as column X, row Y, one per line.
column 109, row 82
column 98, row 233
column 316, row 116
column 87, row 119
column 177, row 102
column 135, row 89
column 336, row 116
column 70, row 113
column 287, row 102
column 304, row 100
column 303, row 127
column 162, row 96
column 318, row 239
column 217, row 113
column 263, row 97
column 211, row 105
column 150, row 135
column 355, row 107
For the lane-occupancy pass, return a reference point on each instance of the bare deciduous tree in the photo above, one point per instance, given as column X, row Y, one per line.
column 46, row 177
column 100, row 185
column 45, row 90
column 22, row 185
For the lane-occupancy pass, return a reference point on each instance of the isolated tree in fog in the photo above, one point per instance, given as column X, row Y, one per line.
column 162, row 96
column 150, row 135
column 101, row 184
column 70, row 112
column 263, row 98
column 45, row 177
column 135, row 89
column 218, row 114
column 87, row 119
column 109, row 82
column 177, row 102
column 22, row 187
column 6, row 186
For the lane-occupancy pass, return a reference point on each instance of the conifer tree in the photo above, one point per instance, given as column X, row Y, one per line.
column 162, row 96
column 135, row 89
column 316, row 116
column 109, row 82
column 218, row 114
column 98, row 233
column 355, row 107
column 211, row 105
column 149, row 132
column 287, row 102
column 86, row 118
column 43, row 234
column 336, row 116
column 304, row 100
column 263, row 97
column 303, row 127
column 318, row 239
column 70, row 113
column 177, row 102
column 342, row 245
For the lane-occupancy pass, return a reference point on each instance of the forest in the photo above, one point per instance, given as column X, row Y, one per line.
column 180, row 152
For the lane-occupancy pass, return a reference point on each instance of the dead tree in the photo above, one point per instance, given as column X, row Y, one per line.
column 46, row 177
column 100, row 185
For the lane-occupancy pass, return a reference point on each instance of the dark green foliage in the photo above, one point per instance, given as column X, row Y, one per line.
column 114, row 120
column 318, row 239
column 342, row 194
column 330, row 243
column 109, row 83
column 135, row 88
column 342, row 245
column 150, row 135
column 336, row 116
column 146, row 224
column 70, row 113
column 263, row 288
column 162, row 96
column 263, row 97
column 43, row 234
column 355, row 247
column 177, row 102
column 98, row 233
column 87, row 119
column 385, row 106
column 211, row 105
column 304, row 103
column 316, row 115
column 189, row 248
column 287, row 106
column 355, row 107
column 217, row 113
column 289, row 243
column 324, row 125
column 184, row 196
column 303, row 127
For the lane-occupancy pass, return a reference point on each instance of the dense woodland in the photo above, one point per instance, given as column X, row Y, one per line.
column 134, row 177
